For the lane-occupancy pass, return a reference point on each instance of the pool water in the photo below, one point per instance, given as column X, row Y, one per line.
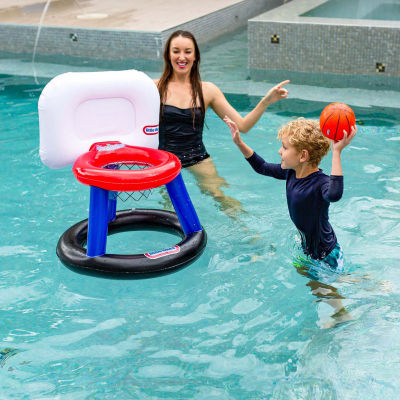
column 388, row 10
column 240, row 322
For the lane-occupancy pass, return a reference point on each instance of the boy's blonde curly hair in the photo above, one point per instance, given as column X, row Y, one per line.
column 305, row 134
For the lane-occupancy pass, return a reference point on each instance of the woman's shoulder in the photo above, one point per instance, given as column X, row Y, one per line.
column 156, row 81
column 209, row 86
column 210, row 90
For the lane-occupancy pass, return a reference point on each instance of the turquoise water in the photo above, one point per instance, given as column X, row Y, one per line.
column 388, row 10
column 239, row 323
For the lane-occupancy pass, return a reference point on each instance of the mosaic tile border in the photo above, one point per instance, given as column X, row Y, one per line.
column 323, row 45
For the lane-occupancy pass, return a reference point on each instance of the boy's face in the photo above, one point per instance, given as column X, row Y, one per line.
column 290, row 157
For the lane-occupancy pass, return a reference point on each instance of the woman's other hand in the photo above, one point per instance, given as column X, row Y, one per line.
column 276, row 93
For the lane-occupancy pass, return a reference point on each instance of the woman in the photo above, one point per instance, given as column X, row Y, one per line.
column 184, row 102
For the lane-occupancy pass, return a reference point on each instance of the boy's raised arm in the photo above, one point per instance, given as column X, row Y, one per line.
column 247, row 151
column 337, row 148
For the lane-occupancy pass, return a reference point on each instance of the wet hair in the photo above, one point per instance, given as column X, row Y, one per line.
column 195, row 81
column 305, row 134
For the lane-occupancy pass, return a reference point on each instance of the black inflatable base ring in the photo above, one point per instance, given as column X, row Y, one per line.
column 71, row 252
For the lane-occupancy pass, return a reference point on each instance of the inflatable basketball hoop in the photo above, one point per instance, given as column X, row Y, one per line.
column 127, row 103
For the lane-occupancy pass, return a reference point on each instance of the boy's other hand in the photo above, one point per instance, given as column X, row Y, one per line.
column 234, row 129
column 341, row 144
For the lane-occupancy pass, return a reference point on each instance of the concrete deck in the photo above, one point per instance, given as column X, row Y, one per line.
column 138, row 15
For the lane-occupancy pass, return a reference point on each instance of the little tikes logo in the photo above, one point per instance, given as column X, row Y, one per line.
column 110, row 147
column 150, row 130
column 162, row 253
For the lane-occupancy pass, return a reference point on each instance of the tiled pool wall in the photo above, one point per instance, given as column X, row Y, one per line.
column 116, row 44
column 283, row 41
column 79, row 42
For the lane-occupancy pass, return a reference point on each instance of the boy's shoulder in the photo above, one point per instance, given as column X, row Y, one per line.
column 318, row 175
column 315, row 179
column 321, row 177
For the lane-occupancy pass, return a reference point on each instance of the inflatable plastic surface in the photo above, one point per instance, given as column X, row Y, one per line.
column 77, row 109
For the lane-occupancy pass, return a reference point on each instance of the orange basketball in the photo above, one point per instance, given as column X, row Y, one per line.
column 335, row 118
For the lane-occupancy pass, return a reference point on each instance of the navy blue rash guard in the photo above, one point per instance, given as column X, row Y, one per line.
column 308, row 202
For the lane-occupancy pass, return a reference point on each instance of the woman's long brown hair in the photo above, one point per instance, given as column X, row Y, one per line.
column 195, row 81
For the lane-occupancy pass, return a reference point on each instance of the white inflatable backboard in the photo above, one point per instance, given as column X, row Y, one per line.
column 77, row 109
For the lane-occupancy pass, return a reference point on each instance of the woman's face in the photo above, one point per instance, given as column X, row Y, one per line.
column 182, row 54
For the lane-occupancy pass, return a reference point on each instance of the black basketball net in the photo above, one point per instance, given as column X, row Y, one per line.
column 130, row 165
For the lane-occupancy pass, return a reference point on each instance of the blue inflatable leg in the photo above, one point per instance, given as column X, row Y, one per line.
column 183, row 205
column 98, row 222
column 112, row 206
column 112, row 198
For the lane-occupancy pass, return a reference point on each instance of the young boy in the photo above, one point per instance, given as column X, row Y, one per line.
column 308, row 190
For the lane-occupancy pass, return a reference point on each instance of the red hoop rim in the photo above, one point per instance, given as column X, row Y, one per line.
column 88, row 168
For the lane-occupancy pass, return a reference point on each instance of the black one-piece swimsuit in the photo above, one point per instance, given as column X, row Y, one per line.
column 182, row 136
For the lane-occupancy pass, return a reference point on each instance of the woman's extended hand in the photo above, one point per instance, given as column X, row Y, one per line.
column 276, row 93
column 341, row 144
column 234, row 130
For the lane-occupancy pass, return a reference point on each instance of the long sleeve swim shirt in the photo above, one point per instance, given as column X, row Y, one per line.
column 308, row 201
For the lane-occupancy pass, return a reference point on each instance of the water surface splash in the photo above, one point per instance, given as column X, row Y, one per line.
column 42, row 17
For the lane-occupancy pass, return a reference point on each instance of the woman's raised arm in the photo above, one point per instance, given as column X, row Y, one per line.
column 218, row 102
